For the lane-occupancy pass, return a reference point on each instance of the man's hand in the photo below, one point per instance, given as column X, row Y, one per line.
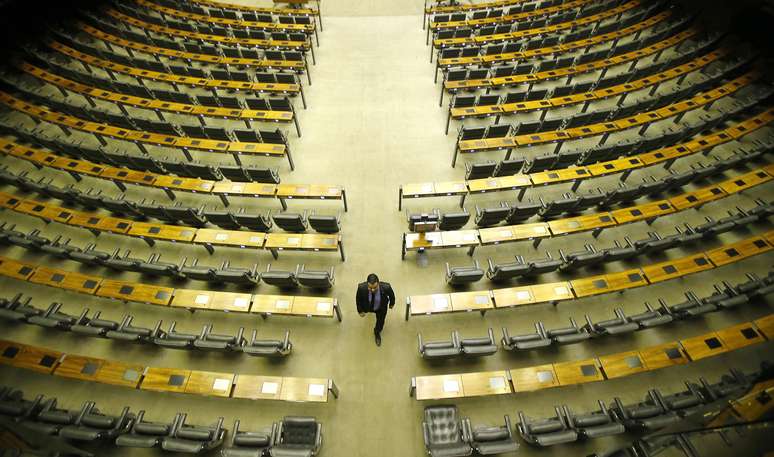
column 361, row 314
column 392, row 305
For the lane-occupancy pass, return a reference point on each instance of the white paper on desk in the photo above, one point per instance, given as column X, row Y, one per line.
column 440, row 303
column 221, row 384
column 482, row 300
column 523, row 295
column 221, row 236
column 269, row 388
column 237, row 187
column 240, row 302
column 255, row 239
column 333, row 190
column 316, row 390
column 497, row 382
column 302, row 190
column 202, row 299
column 427, row 187
column 560, row 290
column 450, row 385
column 540, row 229
column 323, row 306
column 282, row 304
column 294, row 240
column 469, row 237
column 505, row 233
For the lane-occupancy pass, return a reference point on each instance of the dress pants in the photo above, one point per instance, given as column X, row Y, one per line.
column 381, row 314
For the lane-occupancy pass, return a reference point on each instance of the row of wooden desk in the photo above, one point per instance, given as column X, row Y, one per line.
column 198, row 36
column 479, row 40
column 120, row 99
column 594, row 95
column 642, row 120
column 152, row 232
column 595, row 223
column 169, row 380
column 517, row 380
column 532, row 78
column 270, row 26
column 188, row 299
column 554, row 292
column 191, row 81
column 578, row 174
column 170, row 183
column 184, row 56
column 474, row 23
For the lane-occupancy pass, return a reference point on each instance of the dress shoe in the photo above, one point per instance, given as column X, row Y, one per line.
column 378, row 339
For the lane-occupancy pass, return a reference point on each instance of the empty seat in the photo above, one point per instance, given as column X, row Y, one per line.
column 145, row 434
column 94, row 326
column 480, row 170
column 648, row 414
column 453, row 221
column 538, row 339
column 325, row 223
column 291, row 222
column 492, row 440
column 546, row 432
column 279, row 278
column 248, row 443
column 267, row 348
column 618, row 325
column 297, row 436
column 594, row 424
column 315, row 279
column 463, row 275
column 92, row 425
column 172, row 339
column 569, row 335
column 194, row 439
column 499, row 272
column 479, row 346
column 444, row 433
column 210, row 341
column 441, row 349
column 488, row 217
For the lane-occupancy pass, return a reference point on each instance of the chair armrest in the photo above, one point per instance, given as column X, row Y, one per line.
column 218, row 428
column 467, row 430
column 508, row 426
column 420, row 344
column 425, row 434
column 318, row 436
column 286, row 340
column 491, row 336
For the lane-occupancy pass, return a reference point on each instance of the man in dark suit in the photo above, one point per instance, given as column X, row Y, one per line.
column 375, row 297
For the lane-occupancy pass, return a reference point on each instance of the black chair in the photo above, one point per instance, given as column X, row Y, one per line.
column 193, row 439
column 444, row 433
column 325, row 223
column 279, row 278
column 91, row 425
column 247, row 443
column 291, row 222
column 440, row 349
column 209, row 341
column 145, row 434
column 487, row 440
column 297, row 436
column 315, row 279
column 594, row 424
column 646, row 415
column 479, row 346
column 569, row 335
column 546, row 432
column 172, row 339
column 267, row 348
column 538, row 339
column 453, row 221
column 457, row 276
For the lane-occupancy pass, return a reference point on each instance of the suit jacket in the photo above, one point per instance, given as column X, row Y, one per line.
column 361, row 298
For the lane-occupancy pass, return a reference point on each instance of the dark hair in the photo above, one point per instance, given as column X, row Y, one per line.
column 372, row 278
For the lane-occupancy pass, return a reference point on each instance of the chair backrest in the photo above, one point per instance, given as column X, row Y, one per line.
column 299, row 430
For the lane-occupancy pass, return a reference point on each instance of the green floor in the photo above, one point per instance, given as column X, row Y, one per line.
column 374, row 123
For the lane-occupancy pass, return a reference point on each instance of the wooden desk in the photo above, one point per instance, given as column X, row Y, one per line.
column 79, row 367
column 766, row 326
column 471, row 301
column 740, row 336
column 185, row 184
column 595, row 222
column 232, row 238
column 429, row 304
column 295, row 305
column 735, row 252
column 429, row 189
column 559, row 175
column 671, row 269
column 309, row 191
column 485, row 383
column 97, row 224
column 305, row 389
column 514, row 182
column 44, row 211
column 243, row 189
column 211, row 300
column 417, row 241
column 645, row 211
column 745, row 181
column 253, row 387
column 136, row 292
column 697, row 198
column 272, row 304
column 578, row 372
column 165, row 379
column 521, row 232
column 602, row 284
column 538, row 293
column 703, row 346
column 210, row 383
column 663, row 355
column 14, row 269
column 622, row 364
column 314, row 306
column 534, row 378
column 459, row 238
column 149, row 232
column 615, row 166
column 755, row 404
column 32, row 358
column 120, row 374
column 438, row 387
column 67, row 280
column 276, row 242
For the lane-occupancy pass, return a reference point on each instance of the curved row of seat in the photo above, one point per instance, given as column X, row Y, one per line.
column 258, row 187
column 196, row 382
column 595, row 223
column 602, row 368
column 517, row 13
column 449, row 435
column 19, row 310
column 192, row 300
column 45, row 417
column 273, row 110
column 225, row 7
column 616, row 158
column 554, row 292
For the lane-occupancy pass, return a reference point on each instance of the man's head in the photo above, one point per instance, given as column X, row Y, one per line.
column 373, row 282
